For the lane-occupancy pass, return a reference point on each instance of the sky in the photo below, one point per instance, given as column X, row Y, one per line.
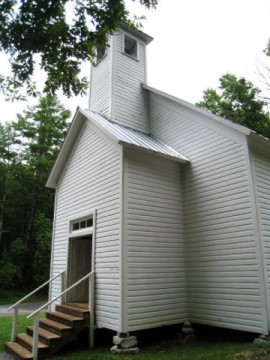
column 195, row 43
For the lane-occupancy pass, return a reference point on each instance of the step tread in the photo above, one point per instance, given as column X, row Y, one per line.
column 29, row 341
column 19, row 350
column 79, row 305
column 63, row 316
column 54, row 324
column 75, row 308
column 48, row 335
column 75, row 311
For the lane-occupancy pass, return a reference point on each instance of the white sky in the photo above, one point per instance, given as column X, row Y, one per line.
column 195, row 43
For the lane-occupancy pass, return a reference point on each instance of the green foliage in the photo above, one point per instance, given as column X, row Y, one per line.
column 41, row 263
column 40, row 131
column 10, row 296
column 29, row 147
column 7, row 142
column 41, row 27
column 267, row 49
column 12, row 264
column 18, row 252
column 12, row 88
column 10, row 273
column 237, row 100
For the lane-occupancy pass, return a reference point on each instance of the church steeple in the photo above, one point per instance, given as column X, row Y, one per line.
column 116, row 78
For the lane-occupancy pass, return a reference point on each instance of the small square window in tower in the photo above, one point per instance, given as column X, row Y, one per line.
column 100, row 54
column 130, row 46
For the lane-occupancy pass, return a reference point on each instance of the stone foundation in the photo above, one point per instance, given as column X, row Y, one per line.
column 188, row 332
column 262, row 339
column 124, row 344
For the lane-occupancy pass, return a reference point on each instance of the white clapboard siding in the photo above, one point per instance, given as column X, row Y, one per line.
column 129, row 106
column 261, row 166
column 154, row 248
column 92, row 181
column 100, row 85
column 223, row 278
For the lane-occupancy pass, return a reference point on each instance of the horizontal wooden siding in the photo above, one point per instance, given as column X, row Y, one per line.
column 224, row 284
column 262, row 182
column 100, row 88
column 128, row 95
column 155, row 254
column 92, row 180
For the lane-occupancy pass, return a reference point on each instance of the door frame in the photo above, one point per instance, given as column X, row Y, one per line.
column 80, row 233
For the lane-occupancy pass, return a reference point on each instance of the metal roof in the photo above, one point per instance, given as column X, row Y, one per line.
column 130, row 137
column 136, row 32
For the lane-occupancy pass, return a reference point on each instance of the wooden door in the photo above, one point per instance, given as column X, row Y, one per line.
column 79, row 264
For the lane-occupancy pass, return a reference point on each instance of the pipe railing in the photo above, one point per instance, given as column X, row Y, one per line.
column 16, row 305
column 90, row 303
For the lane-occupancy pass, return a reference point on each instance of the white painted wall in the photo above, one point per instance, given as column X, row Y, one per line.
column 223, row 273
column 155, row 291
column 129, row 100
column 100, row 84
column 92, row 180
column 115, row 85
column 261, row 168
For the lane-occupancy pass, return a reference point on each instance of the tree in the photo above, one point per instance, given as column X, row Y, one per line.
column 42, row 255
column 265, row 76
column 7, row 156
column 13, row 263
column 40, row 131
column 28, row 212
column 267, row 49
column 41, row 27
column 238, row 101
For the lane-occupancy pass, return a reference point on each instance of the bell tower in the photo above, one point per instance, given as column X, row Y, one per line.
column 116, row 78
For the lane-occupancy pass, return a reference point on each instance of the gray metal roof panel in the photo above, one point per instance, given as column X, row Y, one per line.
column 132, row 137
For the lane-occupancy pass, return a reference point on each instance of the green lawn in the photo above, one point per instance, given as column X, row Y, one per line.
column 205, row 348
column 172, row 351
column 6, row 326
column 175, row 351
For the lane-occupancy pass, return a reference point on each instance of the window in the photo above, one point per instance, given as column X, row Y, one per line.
column 101, row 52
column 81, row 224
column 130, row 46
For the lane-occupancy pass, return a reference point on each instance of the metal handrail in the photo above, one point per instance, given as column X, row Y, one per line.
column 16, row 305
column 60, row 295
column 36, row 290
column 91, row 301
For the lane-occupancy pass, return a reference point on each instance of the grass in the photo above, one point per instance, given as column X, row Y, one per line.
column 6, row 327
column 212, row 344
column 11, row 296
column 174, row 350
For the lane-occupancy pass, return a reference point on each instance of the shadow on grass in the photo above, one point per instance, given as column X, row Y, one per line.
column 210, row 343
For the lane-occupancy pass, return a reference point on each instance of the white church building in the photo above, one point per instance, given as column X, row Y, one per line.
column 167, row 204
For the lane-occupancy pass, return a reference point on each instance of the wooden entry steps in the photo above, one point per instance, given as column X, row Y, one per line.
column 55, row 331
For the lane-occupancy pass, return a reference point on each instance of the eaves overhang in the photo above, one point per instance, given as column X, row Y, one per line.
column 66, row 149
column 260, row 143
column 137, row 33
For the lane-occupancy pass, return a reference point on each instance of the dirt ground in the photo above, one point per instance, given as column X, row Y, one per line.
column 260, row 354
